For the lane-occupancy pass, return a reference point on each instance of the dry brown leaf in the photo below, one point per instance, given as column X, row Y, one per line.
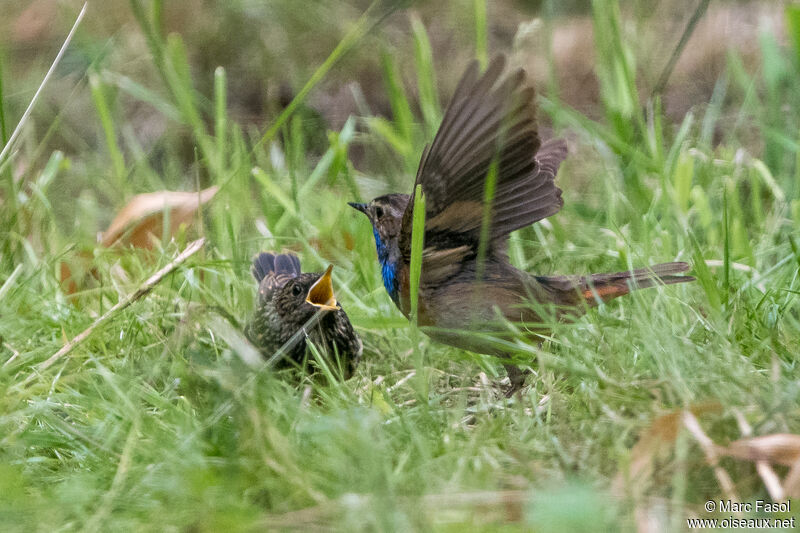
column 74, row 272
column 68, row 284
column 137, row 224
column 655, row 441
column 771, row 480
column 142, row 220
column 781, row 448
column 711, row 451
column 791, row 485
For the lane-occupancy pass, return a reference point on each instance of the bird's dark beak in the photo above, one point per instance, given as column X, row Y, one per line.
column 359, row 207
column 321, row 292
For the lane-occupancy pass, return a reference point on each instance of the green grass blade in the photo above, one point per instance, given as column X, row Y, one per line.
column 220, row 118
column 360, row 29
column 481, row 33
column 328, row 159
column 426, row 77
column 5, row 170
column 180, row 83
column 682, row 180
column 401, row 109
column 714, row 110
column 726, row 250
column 793, row 27
column 489, row 190
column 415, row 272
column 150, row 26
column 417, row 242
column 100, row 100
column 3, row 125
column 698, row 13
column 144, row 94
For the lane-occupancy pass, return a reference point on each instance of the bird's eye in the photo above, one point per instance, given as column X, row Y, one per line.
column 379, row 212
column 297, row 290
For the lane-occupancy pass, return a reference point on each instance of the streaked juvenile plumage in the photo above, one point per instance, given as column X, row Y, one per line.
column 289, row 301
column 491, row 120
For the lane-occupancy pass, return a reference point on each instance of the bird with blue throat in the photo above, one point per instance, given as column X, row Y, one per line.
column 293, row 307
column 489, row 128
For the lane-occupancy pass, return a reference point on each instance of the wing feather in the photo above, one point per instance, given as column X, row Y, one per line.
column 491, row 119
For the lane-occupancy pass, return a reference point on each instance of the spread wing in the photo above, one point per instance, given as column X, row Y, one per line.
column 491, row 119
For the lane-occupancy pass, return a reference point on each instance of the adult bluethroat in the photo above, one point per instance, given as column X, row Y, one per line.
column 292, row 307
column 489, row 124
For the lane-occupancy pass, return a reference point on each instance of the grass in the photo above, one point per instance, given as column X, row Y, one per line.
column 157, row 422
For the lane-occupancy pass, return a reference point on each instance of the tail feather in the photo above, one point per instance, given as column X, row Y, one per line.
column 598, row 288
column 266, row 263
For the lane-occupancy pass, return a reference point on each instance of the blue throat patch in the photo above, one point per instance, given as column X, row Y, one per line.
column 388, row 270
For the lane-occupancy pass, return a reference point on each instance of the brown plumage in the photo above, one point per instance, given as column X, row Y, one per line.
column 292, row 307
column 489, row 124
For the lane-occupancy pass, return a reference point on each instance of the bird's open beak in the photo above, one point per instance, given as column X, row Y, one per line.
column 321, row 292
column 359, row 207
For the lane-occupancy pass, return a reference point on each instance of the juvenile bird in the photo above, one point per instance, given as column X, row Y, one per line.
column 292, row 306
column 489, row 124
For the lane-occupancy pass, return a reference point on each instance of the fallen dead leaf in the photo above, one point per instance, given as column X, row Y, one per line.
column 711, row 451
column 142, row 219
column 771, row 480
column 67, row 280
column 138, row 224
column 656, row 441
column 781, row 448
column 791, row 485
column 74, row 272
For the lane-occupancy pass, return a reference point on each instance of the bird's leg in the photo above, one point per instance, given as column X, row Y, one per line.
column 517, row 378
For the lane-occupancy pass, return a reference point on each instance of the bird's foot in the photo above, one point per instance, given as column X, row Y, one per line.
column 516, row 378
